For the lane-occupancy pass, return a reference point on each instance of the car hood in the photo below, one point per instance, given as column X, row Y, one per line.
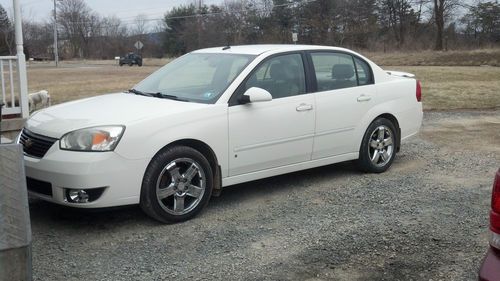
column 111, row 109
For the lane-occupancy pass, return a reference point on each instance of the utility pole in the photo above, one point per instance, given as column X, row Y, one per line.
column 56, row 51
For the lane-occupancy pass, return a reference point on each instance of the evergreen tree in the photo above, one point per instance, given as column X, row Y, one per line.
column 6, row 33
column 175, row 23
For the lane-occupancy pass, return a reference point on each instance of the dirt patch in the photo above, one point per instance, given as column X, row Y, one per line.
column 461, row 132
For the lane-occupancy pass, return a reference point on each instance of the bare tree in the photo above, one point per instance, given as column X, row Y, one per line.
column 79, row 24
column 442, row 10
column 140, row 25
column 112, row 39
column 38, row 38
column 398, row 16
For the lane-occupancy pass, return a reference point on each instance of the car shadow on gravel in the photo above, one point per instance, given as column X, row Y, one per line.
column 42, row 212
column 292, row 182
column 277, row 188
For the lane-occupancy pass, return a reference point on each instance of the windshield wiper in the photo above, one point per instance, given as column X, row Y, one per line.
column 172, row 97
column 137, row 92
column 156, row 95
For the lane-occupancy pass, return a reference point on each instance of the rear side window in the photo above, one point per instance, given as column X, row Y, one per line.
column 338, row 71
column 364, row 72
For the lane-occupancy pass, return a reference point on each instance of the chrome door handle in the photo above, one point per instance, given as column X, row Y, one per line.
column 304, row 107
column 364, row 98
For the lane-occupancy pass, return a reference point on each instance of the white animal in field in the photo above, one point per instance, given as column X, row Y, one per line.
column 41, row 98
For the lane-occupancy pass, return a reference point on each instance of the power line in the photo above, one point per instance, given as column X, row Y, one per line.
column 209, row 14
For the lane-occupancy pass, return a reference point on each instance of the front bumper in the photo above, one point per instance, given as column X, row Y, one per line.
column 121, row 178
column 490, row 268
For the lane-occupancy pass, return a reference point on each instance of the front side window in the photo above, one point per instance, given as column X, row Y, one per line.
column 339, row 71
column 282, row 76
column 196, row 77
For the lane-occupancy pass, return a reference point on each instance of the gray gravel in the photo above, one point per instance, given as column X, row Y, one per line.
column 424, row 219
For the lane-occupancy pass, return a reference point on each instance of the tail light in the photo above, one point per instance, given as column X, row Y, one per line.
column 495, row 212
column 419, row 91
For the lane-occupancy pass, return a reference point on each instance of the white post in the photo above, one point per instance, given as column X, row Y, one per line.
column 21, row 61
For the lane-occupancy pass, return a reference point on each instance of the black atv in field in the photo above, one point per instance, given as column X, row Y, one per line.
column 131, row 59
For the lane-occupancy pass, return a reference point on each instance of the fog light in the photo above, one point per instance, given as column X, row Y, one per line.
column 78, row 196
column 86, row 195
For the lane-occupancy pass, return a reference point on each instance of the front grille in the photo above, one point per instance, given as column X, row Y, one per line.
column 39, row 186
column 35, row 145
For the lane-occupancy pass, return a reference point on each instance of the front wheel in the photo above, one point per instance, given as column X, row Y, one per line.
column 177, row 184
column 378, row 148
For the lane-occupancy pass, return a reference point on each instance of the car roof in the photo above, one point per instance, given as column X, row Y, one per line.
column 263, row 48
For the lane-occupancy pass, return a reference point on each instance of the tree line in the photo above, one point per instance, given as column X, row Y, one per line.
column 375, row 25
column 360, row 24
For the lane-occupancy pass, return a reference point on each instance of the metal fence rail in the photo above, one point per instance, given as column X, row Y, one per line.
column 10, row 86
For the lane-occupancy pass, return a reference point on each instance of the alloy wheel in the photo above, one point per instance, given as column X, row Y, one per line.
column 381, row 146
column 180, row 186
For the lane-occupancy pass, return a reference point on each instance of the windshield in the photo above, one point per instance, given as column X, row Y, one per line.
column 197, row 77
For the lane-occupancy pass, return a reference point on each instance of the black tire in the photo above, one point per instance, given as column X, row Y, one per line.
column 159, row 174
column 121, row 64
column 373, row 144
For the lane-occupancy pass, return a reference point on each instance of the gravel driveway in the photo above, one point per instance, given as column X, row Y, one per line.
column 424, row 219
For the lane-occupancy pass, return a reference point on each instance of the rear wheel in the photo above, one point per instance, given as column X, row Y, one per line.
column 378, row 147
column 177, row 184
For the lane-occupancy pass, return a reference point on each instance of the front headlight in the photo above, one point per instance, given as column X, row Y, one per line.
column 102, row 138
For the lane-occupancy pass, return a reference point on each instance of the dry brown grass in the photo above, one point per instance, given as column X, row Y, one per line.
column 477, row 57
column 444, row 88
column 71, row 83
column 147, row 62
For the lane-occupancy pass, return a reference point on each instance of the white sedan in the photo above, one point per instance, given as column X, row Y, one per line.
column 218, row 117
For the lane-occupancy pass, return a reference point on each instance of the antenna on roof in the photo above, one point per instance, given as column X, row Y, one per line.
column 228, row 40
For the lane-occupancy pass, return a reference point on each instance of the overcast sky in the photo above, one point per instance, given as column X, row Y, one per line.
column 126, row 10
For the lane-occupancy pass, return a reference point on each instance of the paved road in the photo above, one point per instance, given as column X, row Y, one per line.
column 426, row 218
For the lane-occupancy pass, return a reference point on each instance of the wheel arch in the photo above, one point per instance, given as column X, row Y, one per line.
column 208, row 152
column 395, row 122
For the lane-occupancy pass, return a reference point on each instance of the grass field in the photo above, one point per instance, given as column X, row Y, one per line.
column 444, row 87
column 462, row 87
column 75, row 82
column 479, row 57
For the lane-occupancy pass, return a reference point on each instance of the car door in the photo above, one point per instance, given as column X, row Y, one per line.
column 345, row 93
column 264, row 135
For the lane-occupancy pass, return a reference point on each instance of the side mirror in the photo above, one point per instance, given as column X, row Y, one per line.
column 255, row 94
